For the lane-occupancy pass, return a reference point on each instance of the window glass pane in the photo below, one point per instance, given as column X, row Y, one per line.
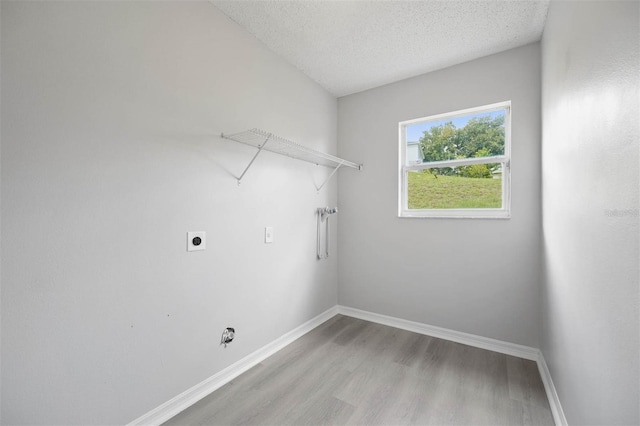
column 469, row 187
column 469, row 136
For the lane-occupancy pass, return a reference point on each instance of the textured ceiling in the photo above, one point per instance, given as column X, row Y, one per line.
column 350, row 46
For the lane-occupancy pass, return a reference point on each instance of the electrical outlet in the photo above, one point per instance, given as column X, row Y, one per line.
column 268, row 234
column 196, row 240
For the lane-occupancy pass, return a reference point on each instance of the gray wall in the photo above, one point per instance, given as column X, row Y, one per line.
column 591, row 67
column 110, row 113
column 478, row 276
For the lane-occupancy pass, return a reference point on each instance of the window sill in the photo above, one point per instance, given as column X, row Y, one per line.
column 455, row 214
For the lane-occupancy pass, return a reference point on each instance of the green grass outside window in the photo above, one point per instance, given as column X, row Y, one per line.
column 453, row 192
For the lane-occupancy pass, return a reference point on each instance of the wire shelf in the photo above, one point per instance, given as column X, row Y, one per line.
column 272, row 143
column 269, row 142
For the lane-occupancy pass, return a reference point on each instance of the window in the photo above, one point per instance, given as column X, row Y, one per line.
column 456, row 164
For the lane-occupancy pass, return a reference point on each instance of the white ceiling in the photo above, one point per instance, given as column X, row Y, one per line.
column 350, row 46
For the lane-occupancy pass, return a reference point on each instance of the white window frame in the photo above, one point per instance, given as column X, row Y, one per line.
column 502, row 213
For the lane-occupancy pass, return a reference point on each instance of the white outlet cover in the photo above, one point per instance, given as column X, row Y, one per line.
column 193, row 243
column 268, row 234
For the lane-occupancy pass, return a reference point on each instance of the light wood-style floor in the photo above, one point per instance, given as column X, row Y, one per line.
column 353, row 372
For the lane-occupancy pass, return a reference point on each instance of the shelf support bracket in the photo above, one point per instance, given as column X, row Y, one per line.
column 330, row 176
column 254, row 158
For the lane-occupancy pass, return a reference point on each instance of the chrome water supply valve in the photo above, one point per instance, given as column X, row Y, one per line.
column 227, row 336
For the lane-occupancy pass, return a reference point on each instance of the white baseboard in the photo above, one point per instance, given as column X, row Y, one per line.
column 189, row 397
column 513, row 349
column 520, row 351
column 196, row 393
column 552, row 395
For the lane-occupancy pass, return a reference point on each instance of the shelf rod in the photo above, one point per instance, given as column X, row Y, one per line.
column 330, row 176
column 254, row 157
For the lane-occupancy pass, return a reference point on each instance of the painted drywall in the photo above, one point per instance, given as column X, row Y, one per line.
column 590, row 80
column 110, row 154
column 478, row 276
column 0, row 224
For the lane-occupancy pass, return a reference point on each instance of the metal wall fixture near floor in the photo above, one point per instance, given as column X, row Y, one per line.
column 227, row 336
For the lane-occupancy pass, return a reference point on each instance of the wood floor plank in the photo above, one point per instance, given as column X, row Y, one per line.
column 414, row 350
column 326, row 411
column 306, row 395
column 525, row 384
column 353, row 372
